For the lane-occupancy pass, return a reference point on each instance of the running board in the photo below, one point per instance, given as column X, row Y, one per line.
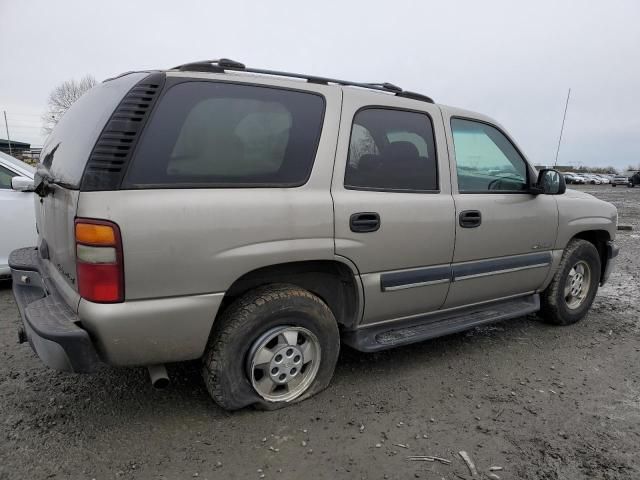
column 437, row 324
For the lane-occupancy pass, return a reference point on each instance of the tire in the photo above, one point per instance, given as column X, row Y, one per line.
column 613, row 184
column 560, row 309
column 255, row 325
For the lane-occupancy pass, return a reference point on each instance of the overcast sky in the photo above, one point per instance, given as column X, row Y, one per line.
column 513, row 61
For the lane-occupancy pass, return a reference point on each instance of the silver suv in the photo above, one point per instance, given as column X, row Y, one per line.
column 257, row 219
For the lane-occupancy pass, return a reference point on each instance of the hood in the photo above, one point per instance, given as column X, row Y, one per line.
column 578, row 194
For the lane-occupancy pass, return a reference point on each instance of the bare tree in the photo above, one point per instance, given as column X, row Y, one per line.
column 62, row 97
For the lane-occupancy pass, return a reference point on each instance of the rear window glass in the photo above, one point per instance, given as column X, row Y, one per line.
column 213, row 134
column 66, row 150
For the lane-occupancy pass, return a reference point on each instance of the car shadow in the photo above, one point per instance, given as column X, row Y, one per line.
column 117, row 396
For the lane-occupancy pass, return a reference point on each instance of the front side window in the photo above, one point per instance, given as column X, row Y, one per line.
column 220, row 134
column 486, row 160
column 391, row 150
column 5, row 178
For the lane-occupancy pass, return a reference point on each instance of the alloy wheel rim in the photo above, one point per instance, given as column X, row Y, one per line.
column 577, row 284
column 283, row 362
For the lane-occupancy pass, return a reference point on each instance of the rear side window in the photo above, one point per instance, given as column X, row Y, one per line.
column 391, row 150
column 67, row 149
column 212, row 134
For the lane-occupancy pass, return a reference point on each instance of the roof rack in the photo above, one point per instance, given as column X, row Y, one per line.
column 223, row 64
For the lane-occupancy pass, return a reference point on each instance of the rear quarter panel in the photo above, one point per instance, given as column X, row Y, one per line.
column 194, row 241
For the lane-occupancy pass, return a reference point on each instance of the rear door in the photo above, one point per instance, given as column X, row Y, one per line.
column 393, row 206
column 504, row 235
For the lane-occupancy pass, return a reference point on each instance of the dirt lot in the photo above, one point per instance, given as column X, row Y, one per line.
column 541, row 402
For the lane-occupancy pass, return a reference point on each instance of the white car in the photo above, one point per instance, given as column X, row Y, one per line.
column 592, row 179
column 17, row 213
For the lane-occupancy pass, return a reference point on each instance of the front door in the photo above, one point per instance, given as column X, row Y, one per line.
column 394, row 214
column 504, row 235
column 16, row 217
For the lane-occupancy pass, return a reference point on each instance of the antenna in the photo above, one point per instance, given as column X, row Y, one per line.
column 562, row 128
column 6, row 124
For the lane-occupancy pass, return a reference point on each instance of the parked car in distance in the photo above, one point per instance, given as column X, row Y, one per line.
column 581, row 179
column 17, row 216
column 256, row 219
column 619, row 180
column 571, row 178
column 592, row 179
column 634, row 180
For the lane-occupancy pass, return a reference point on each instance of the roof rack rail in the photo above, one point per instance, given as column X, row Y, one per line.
column 223, row 64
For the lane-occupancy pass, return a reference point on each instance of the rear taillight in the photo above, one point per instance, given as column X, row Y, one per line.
column 99, row 262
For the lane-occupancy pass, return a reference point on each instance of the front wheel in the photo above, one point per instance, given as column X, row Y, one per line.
column 274, row 346
column 570, row 294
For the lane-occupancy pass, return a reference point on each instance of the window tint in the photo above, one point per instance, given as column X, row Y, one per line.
column 361, row 143
column 221, row 134
column 391, row 150
column 486, row 160
column 5, row 178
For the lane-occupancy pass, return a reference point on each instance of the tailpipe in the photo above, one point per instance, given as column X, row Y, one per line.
column 159, row 377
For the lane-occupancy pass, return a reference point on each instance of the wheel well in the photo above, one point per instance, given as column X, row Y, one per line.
column 332, row 281
column 599, row 239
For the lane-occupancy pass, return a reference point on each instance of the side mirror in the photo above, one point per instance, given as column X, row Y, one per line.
column 550, row 182
column 22, row 184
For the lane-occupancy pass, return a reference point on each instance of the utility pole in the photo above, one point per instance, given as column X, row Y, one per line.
column 562, row 128
column 7, row 127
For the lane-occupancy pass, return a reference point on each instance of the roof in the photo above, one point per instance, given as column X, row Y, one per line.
column 14, row 144
column 224, row 64
column 236, row 70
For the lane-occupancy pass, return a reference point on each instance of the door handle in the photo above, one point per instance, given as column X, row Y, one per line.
column 470, row 219
column 364, row 222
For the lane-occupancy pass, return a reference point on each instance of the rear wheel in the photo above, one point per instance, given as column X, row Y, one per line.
column 274, row 346
column 570, row 294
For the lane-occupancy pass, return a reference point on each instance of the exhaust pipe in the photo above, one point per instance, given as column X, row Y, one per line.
column 159, row 377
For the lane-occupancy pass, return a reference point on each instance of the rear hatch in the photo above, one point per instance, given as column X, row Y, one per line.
column 59, row 177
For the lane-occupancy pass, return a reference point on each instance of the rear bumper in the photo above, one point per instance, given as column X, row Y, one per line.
column 49, row 323
column 612, row 253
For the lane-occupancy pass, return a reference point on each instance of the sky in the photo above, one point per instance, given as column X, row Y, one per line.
column 513, row 61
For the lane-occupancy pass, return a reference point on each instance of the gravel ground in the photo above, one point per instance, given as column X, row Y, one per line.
column 541, row 402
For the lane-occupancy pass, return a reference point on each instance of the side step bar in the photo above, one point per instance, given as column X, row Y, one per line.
column 437, row 324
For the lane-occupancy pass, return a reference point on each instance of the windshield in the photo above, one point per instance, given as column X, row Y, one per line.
column 17, row 163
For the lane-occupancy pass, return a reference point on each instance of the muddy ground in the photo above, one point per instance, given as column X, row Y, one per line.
column 541, row 402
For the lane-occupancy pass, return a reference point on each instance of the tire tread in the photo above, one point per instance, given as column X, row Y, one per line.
column 552, row 309
column 237, row 314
